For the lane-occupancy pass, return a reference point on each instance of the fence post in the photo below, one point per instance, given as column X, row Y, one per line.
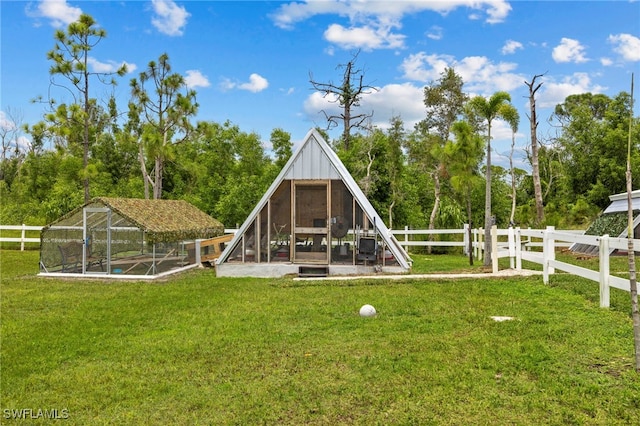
column 406, row 238
column 548, row 253
column 22, row 237
column 552, row 248
column 604, row 271
column 198, row 254
column 518, row 247
column 479, row 245
column 465, row 239
column 512, row 249
column 494, row 249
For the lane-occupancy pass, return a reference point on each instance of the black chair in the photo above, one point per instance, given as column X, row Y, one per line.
column 367, row 249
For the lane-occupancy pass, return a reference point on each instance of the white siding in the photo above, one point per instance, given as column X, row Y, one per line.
column 312, row 163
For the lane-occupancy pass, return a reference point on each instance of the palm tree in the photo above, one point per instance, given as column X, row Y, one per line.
column 464, row 156
column 489, row 110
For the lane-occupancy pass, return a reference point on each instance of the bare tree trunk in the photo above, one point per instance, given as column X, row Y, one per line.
column 534, row 149
column 346, row 109
column 633, row 285
column 145, row 175
column 470, row 236
column 488, row 222
column 85, row 141
column 436, row 206
column 348, row 97
column 157, row 188
column 513, row 180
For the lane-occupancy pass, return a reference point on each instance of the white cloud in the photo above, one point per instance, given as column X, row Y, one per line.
column 374, row 25
column 365, row 37
column 497, row 11
column 6, row 123
column 510, row 47
column 626, row 45
column 109, row 66
column 403, row 100
column 256, row 84
column 607, row 62
column 17, row 141
column 169, row 18
column 569, row 50
column 360, row 11
column 58, row 11
column 435, row 33
column 195, row 78
column 291, row 13
column 425, row 68
column 479, row 73
column 555, row 92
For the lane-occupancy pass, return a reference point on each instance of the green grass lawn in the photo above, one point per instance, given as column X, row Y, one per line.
column 196, row 349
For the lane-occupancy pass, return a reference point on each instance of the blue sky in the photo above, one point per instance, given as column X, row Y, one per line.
column 250, row 61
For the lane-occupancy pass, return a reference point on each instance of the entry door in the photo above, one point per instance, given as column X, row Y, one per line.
column 97, row 240
column 311, row 230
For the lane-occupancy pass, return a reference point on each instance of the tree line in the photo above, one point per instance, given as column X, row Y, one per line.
column 438, row 174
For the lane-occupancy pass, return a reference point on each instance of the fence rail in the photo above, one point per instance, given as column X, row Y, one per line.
column 550, row 238
column 406, row 237
column 533, row 245
column 22, row 239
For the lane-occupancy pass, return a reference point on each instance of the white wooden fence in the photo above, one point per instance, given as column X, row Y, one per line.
column 406, row 237
column 23, row 238
column 533, row 245
column 548, row 239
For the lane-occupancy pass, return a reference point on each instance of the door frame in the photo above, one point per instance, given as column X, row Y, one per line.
column 86, row 239
column 321, row 232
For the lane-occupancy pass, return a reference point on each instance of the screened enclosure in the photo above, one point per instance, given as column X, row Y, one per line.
column 120, row 237
column 329, row 227
column 314, row 219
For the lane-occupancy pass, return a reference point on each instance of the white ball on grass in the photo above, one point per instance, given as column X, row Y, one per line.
column 367, row 311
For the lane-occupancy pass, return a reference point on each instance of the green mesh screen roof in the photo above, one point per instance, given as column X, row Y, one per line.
column 162, row 220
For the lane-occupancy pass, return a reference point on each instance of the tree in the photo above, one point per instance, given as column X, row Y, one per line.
column 465, row 155
column 115, row 156
column 633, row 285
column 376, row 162
column 361, row 158
column 10, row 132
column 248, row 180
column 207, row 158
column 535, row 165
column 12, row 153
column 70, row 58
column 165, row 113
column 511, row 116
column 489, row 110
column 348, row 95
column 593, row 138
column 394, row 163
column 282, row 147
column 444, row 101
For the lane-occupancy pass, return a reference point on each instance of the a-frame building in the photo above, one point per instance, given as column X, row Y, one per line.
column 313, row 220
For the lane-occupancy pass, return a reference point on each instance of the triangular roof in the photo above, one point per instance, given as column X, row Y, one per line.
column 613, row 221
column 619, row 202
column 315, row 159
column 162, row 220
